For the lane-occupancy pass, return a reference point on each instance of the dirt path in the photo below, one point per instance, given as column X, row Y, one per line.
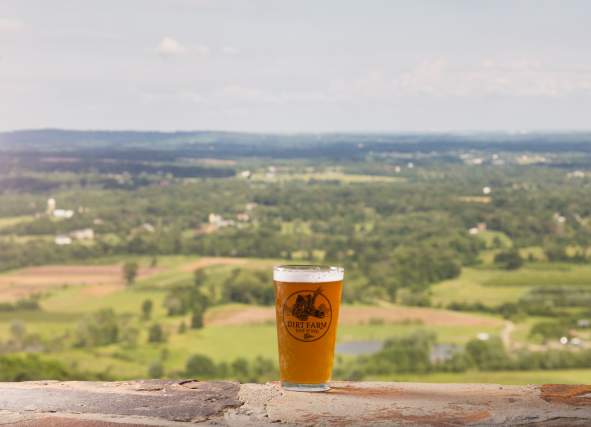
column 209, row 261
column 28, row 281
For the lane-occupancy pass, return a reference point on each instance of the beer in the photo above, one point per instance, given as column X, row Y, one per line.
column 307, row 306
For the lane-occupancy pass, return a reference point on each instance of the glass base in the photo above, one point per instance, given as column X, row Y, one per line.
column 304, row 387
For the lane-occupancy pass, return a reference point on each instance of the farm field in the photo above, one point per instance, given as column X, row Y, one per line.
column 10, row 221
column 492, row 287
column 459, row 258
column 332, row 175
column 470, row 287
column 74, row 291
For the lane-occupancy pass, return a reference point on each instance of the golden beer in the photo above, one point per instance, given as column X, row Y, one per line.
column 308, row 298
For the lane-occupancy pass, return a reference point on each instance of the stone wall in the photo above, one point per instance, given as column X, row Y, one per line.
column 178, row 403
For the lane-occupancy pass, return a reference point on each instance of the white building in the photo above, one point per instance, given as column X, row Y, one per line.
column 51, row 206
column 483, row 336
column 84, row 234
column 219, row 221
column 63, row 213
column 62, row 240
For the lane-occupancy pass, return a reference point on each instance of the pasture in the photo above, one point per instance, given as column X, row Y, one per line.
column 71, row 292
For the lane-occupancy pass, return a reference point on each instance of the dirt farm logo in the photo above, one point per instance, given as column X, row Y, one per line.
column 307, row 315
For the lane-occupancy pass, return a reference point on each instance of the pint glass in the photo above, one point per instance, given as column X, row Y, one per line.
column 307, row 303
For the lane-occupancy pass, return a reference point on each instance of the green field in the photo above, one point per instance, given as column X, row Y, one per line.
column 328, row 175
column 63, row 307
column 14, row 220
column 471, row 287
column 493, row 287
column 545, row 274
column 489, row 237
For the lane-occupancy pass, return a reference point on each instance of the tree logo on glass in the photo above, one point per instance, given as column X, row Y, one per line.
column 307, row 315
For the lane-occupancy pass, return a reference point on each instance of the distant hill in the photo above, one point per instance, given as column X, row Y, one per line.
column 224, row 144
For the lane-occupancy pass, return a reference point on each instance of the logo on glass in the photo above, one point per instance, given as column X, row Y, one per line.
column 307, row 315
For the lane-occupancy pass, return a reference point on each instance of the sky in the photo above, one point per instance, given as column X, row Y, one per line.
column 296, row 66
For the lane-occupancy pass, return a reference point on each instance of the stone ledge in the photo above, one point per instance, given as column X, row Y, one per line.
column 220, row 403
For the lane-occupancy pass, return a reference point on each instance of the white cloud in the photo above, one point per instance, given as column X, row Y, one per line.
column 517, row 77
column 10, row 25
column 520, row 77
column 170, row 47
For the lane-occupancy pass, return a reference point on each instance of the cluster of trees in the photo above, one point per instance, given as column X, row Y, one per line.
column 190, row 298
column 405, row 235
column 558, row 296
column 412, row 354
column 258, row 370
column 98, row 329
column 30, row 303
column 33, row 367
column 509, row 259
column 547, row 301
column 248, row 287
column 557, row 250
column 201, row 367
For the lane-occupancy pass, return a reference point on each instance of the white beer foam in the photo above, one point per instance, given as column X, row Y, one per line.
column 301, row 274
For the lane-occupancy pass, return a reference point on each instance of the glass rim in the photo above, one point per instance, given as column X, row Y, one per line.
column 302, row 273
column 307, row 267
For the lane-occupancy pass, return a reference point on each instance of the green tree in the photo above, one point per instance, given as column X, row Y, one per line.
column 156, row 369
column 488, row 354
column 129, row 336
column 550, row 330
column 509, row 260
column 199, row 277
column 200, row 366
column 240, row 368
column 96, row 329
column 182, row 327
column 156, row 333
column 197, row 319
column 130, row 270
column 147, row 309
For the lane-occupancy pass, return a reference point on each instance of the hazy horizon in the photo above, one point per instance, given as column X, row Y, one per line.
column 304, row 132
column 278, row 67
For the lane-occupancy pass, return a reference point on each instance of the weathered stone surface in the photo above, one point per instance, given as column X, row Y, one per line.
column 424, row 404
column 174, row 403
column 153, row 399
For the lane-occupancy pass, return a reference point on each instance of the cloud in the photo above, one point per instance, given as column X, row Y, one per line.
column 170, row 47
column 440, row 77
column 10, row 25
column 516, row 77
